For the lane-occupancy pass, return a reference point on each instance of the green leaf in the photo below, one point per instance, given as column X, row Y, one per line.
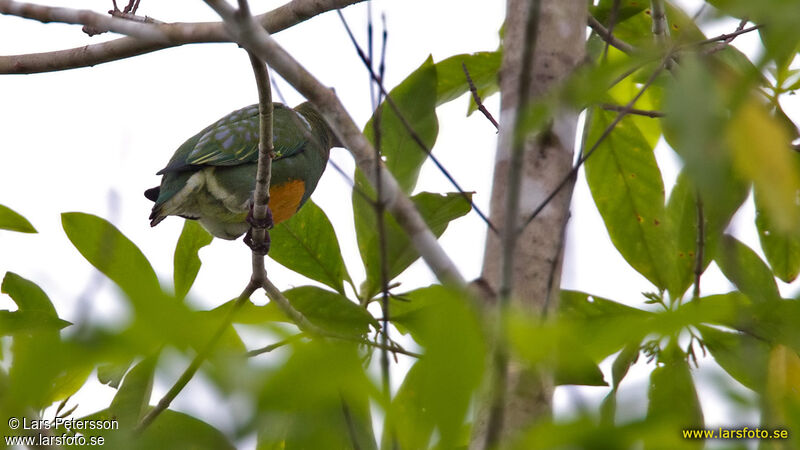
column 626, row 358
column 746, row 270
column 415, row 98
column 113, row 254
column 326, row 309
column 782, row 400
column 782, row 249
column 409, row 422
column 133, row 397
column 577, row 368
column 599, row 326
column 170, row 430
column 695, row 118
column 187, row 263
column 26, row 294
column 437, row 210
column 112, row 373
column 303, row 402
column 625, row 10
column 761, row 149
column 158, row 317
column 10, row 220
column 744, row 357
column 26, row 321
column 682, row 220
column 626, row 185
column 483, row 68
column 36, row 311
column 307, row 244
column 622, row 92
column 672, row 395
column 447, row 375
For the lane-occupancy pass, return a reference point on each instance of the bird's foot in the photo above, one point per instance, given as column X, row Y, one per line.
column 265, row 224
column 261, row 248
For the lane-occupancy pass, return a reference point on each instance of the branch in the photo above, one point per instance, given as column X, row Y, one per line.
column 477, row 98
column 279, row 344
column 510, row 232
column 254, row 38
column 724, row 40
column 633, row 111
column 660, row 28
column 281, row 18
column 609, row 37
column 99, row 22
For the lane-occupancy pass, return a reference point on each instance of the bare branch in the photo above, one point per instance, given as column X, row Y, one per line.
column 612, row 22
column 660, row 28
column 97, row 21
column 477, row 98
column 725, row 40
column 609, row 37
column 633, row 111
column 253, row 37
column 259, row 234
column 279, row 344
column 274, row 21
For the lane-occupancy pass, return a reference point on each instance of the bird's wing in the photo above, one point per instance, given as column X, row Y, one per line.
column 233, row 140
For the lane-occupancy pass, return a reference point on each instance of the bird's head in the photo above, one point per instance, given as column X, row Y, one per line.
column 318, row 123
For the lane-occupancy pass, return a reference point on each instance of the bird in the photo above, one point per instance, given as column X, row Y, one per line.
column 211, row 176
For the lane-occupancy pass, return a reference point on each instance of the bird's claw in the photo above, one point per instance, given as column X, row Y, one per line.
column 259, row 249
column 264, row 224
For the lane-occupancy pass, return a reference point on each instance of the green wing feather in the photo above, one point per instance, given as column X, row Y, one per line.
column 233, row 140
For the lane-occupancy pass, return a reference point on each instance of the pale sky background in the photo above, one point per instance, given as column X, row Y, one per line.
column 91, row 140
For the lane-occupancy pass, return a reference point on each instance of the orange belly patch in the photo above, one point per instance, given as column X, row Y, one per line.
column 285, row 198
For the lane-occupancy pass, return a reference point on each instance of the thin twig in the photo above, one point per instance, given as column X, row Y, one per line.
column 728, row 39
column 612, row 22
column 632, row 111
column 477, row 98
column 277, row 345
column 413, row 134
column 380, row 209
column 608, row 37
column 700, row 245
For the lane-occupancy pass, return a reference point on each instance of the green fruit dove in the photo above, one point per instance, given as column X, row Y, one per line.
column 211, row 177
